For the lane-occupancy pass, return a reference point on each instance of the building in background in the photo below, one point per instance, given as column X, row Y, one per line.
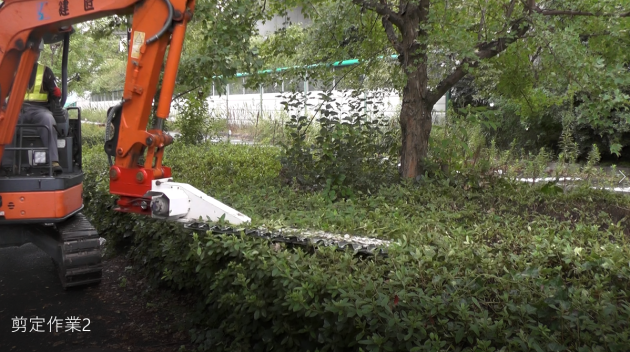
column 278, row 22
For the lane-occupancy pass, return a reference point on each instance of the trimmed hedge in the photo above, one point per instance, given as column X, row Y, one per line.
column 503, row 268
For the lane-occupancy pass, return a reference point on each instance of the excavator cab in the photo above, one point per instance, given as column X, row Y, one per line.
column 27, row 156
column 39, row 207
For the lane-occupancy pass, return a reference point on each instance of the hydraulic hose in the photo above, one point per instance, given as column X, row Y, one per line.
column 110, row 116
column 167, row 24
column 64, row 69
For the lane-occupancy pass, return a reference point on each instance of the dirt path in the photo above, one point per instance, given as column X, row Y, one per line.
column 120, row 315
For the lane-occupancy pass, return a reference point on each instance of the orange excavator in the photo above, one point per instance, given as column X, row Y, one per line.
column 43, row 207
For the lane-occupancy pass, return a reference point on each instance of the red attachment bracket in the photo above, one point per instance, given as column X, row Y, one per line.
column 131, row 185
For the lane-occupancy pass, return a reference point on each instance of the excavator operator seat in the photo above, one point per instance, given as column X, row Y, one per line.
column 62, row 123
column 30, row 159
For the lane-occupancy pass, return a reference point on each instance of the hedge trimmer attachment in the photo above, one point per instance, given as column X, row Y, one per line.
column 363, row 246
column 184, row 203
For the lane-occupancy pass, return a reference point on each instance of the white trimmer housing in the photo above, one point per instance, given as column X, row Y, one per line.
column 184, row 203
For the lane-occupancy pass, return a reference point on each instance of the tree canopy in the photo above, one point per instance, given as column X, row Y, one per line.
column 532, row 55
column 96, row 62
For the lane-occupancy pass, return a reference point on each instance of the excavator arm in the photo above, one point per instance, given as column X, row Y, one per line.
column 137, row 175
column 135, row 151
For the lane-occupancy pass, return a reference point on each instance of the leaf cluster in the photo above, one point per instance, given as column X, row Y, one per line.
column 95, row 62
column 194, row 122
column 354, row 148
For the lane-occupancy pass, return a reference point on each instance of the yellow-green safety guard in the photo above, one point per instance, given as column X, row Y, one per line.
column 36, row 94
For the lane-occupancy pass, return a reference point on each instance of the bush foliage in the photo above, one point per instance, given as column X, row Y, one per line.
column 92, row 135
column 601, row 122
column 497, row 267
column 194, row 120
column 353, row 147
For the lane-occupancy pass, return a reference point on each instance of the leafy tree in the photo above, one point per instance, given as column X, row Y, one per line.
column 440, row 42
column 217, row 42
column 574, row 75
column 95, row 61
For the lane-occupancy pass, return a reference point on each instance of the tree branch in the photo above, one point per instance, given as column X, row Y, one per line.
column 402, row 6
column 184, row 93
column 423, row 9
column 530, row 6
column 509, row 10
column 391, row 35
column 578, row 13
column 586, row 36
column 447, row 83
column 536, row 55
column 508, row 14
column 478, row 27
column 382, row 9
column 532, row 61
column 481, row 23
column 484, row 51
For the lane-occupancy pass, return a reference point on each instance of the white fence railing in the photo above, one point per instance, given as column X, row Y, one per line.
column 245, row 108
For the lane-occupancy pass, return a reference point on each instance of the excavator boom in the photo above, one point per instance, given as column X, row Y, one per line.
column 137, row 151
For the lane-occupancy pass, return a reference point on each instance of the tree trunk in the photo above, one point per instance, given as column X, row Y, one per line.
column 415, row 122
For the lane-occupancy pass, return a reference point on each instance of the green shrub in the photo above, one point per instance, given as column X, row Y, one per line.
column 92, row 135
column 194, row 122
column 501, row 268
column 94, row 115
column 458, row 146
column 354, row 150
column 214, row 166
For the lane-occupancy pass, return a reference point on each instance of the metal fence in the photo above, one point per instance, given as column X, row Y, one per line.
column 108, row 96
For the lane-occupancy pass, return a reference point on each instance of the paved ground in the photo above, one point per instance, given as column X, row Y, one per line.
column 118, row 317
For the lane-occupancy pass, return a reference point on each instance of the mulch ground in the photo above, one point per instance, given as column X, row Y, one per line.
column 123, row 314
